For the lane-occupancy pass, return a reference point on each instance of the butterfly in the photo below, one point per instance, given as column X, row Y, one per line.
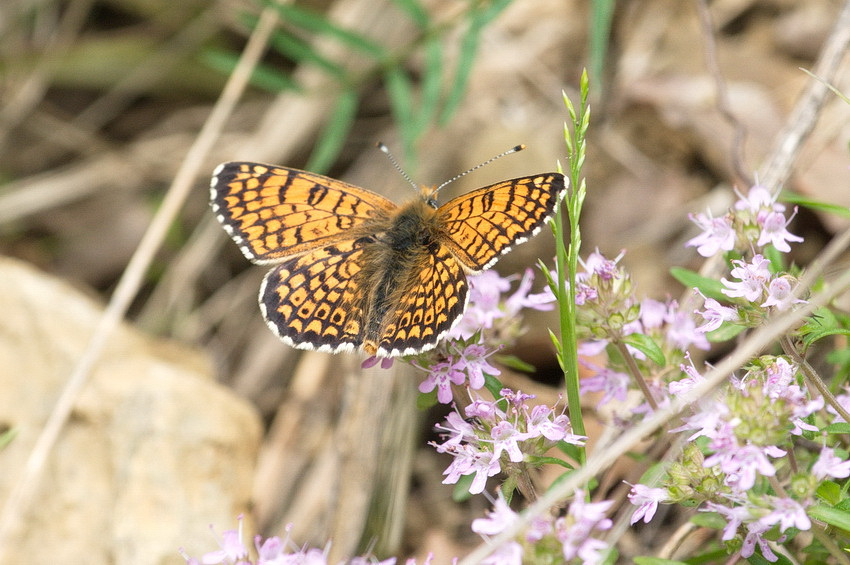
column 352, row 270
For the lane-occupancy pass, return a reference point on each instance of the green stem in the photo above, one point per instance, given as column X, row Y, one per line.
column 813, row 378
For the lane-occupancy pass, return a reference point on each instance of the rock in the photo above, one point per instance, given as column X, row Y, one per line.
column 155, row 451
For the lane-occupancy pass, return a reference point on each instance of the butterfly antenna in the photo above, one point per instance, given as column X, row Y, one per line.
column 389, row 155
column 478, row 166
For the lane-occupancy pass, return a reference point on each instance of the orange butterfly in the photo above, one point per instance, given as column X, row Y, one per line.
column 355, row 271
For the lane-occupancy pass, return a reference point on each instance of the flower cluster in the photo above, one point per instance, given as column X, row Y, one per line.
column 743, row 433
column 572, row 534
column 275, row 551
column 491, row 321
column 756, row 221
column 500, row 435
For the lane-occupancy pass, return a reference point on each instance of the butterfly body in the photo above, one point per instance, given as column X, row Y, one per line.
column 355, row 271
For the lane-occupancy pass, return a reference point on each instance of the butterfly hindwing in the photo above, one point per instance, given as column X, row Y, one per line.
column 484, row 224
column 316, row 300
column 273, row 212
column 427, row 305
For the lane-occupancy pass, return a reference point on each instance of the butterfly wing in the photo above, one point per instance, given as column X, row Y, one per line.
column 426, row 305
column 273, row 212
column 316, row 300
column 484, row 224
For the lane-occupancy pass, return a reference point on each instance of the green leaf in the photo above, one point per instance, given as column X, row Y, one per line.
column 725, row 332
column 461, row 490
column 570, row 450
column 657, row 561
column 708, row 286
column 830, row 515
column 400, row 91
column 829, row 492
column 263, row 76
column 296, row 49
column 711, row 520
column 318, row 23
column 647, row 346
column 494, row 386
column 539, row 461
column 515, row 363
column 838, row 428
column 336, row 130
column 415, row 11
column 479, row 17
column 430, row 83
column 8, row 437
column 426, row 400
column 793, row 198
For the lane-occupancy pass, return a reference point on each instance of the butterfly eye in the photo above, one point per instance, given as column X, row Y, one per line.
column 432, row 202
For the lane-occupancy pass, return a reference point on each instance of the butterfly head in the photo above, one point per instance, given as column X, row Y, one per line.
column 429, row 195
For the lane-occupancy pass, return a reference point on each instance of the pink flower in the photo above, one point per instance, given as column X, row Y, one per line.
column 752, row 278
column 830, row 465
column 718, row 234
column 646, row 499
column 774, row 230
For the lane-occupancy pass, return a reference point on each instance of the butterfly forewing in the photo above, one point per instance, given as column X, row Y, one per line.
column 484, row 224
column 274, row 212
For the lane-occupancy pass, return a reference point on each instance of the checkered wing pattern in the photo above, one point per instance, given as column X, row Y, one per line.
column 484, row 224
column 275, row 212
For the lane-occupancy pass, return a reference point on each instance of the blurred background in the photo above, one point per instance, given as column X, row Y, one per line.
column 195, row 412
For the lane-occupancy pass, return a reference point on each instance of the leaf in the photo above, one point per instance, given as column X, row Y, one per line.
column 296, row 49
column 415, row 11
column 515, row 363
column 263, row 76
column 829, row 492
column 657, row 561
column 690, row 279
column 336, row 130
column 793, row 198
column 539, row 461
column 494, row 386
column 468, row 47
column 570, row 450
column 647, row 346
column 400, row 91
column 318, row 23
column 461, row 490
column 426, row 400
column 725, row 332
column 830, row 515
column 838, row 428
column 430, row 83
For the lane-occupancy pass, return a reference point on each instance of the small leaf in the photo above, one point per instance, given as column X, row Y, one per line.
column 539, row 461
column 793, row 198
column 494, row 386
column 400, row 91
column 515, row 363
column 690, row 279
column 647, row 346
column 838, row 428
column 461, row 490
column 329, row 144
column 415, row 11
column 318, row 23
column 829, row 492
column 725, row 332
column 657, row 561
column 830, row 515
column 426, row 400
